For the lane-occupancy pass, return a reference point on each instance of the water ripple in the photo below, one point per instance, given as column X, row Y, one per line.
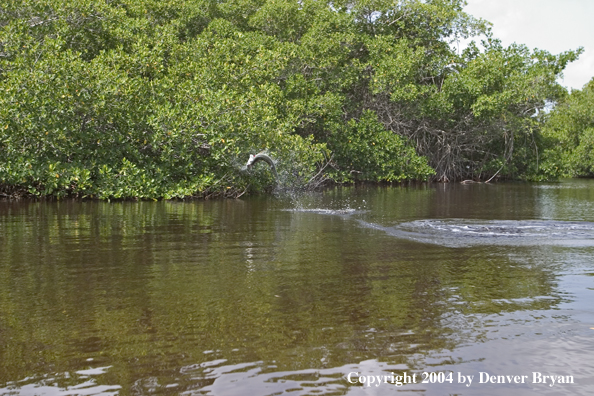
column 465, row 232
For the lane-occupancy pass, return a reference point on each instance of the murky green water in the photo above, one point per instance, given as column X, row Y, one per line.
column 271, row 296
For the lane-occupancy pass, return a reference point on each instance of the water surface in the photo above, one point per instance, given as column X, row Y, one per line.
column 272, row 296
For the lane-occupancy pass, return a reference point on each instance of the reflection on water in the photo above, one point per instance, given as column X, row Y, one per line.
column 80, row 382
column 271, row 296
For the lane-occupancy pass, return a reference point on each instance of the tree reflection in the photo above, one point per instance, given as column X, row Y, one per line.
column 152, row 289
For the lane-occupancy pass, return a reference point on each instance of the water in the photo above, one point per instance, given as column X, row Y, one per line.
column 274, row 296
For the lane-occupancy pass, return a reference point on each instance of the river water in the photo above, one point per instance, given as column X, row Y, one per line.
column 444, row 288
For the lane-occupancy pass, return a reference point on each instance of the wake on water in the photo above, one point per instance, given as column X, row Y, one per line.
column 464, row 232
column 469, row 232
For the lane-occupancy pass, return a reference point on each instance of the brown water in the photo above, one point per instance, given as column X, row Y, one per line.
column 308, row 296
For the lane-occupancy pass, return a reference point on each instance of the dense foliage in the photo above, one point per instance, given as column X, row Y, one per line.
column 167, row 98
column 569, row 131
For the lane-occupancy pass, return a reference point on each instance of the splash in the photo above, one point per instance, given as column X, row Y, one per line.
column 292, row 177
